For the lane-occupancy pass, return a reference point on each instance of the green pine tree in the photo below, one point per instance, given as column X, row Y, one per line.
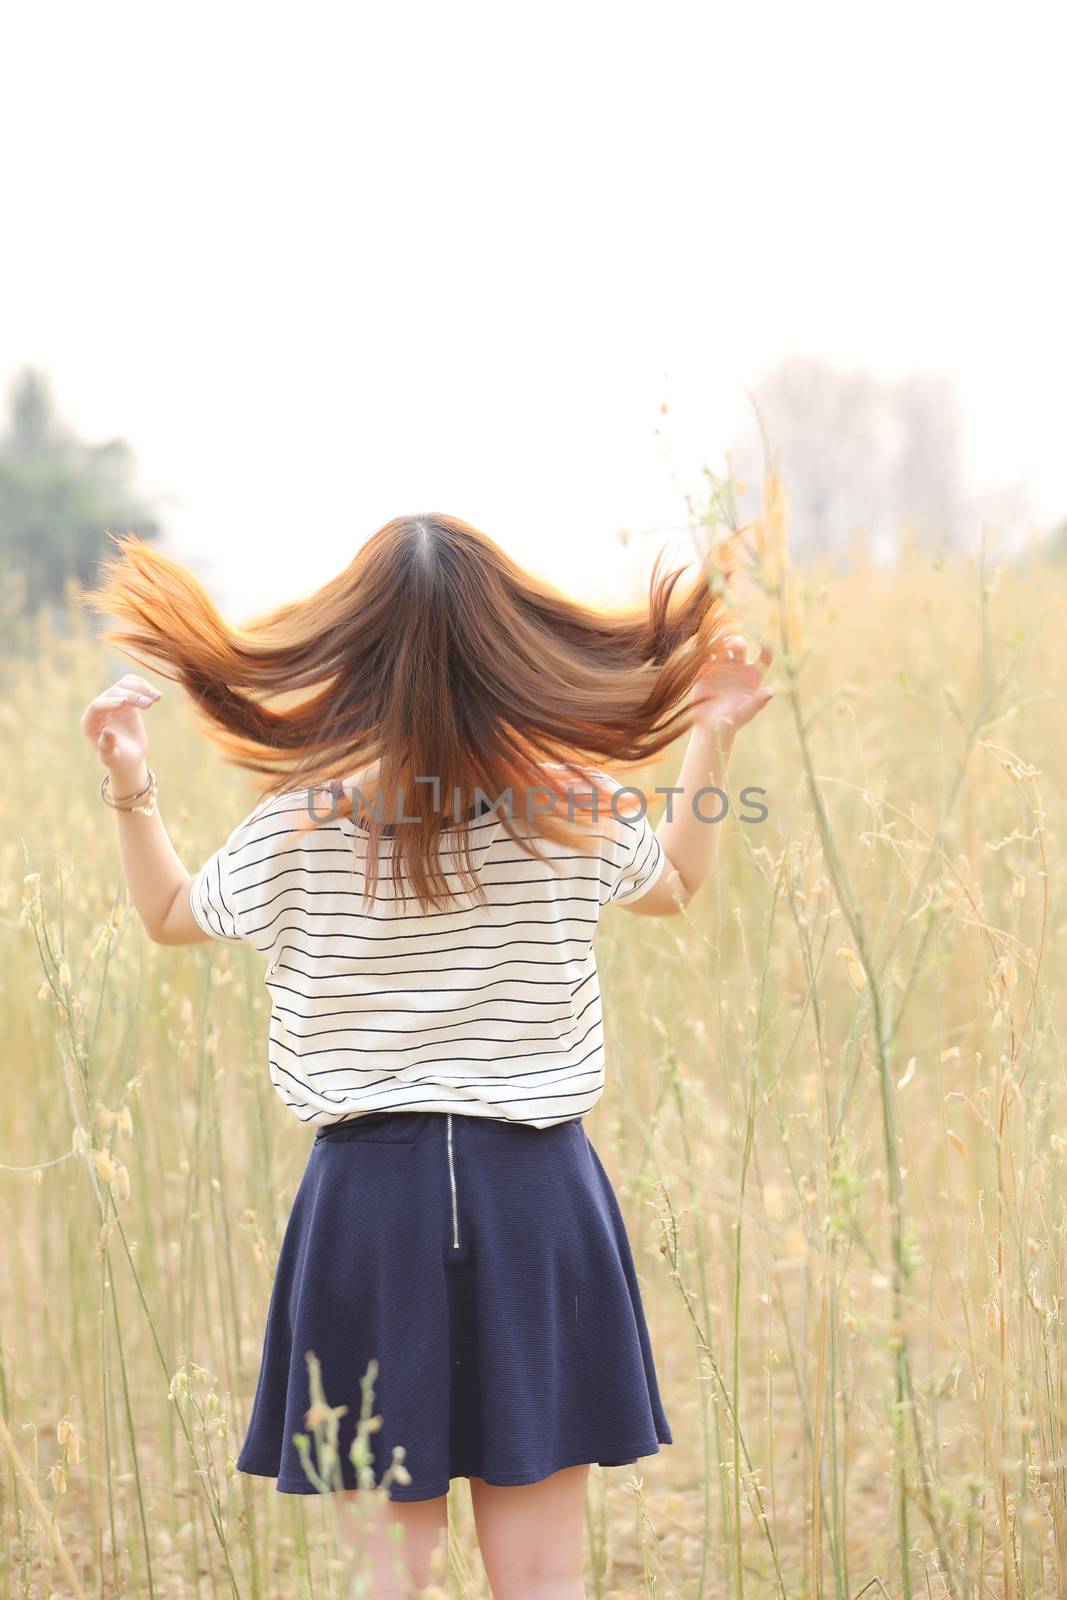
column 58, row 498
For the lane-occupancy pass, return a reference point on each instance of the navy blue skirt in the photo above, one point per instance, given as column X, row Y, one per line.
column 485, row 1266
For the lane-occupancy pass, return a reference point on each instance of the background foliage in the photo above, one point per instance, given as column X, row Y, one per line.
column 58, row 495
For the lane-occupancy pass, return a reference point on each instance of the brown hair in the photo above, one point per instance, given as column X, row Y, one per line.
column 431, row 655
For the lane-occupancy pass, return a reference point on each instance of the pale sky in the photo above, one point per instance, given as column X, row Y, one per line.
column 328, row 263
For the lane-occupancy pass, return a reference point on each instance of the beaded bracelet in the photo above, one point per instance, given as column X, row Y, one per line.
column 127, row 802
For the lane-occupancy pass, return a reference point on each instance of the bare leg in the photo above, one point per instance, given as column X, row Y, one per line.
column 532, row 1535
column 396, row 1539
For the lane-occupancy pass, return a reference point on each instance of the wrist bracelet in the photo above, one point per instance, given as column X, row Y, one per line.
column 105, row 788
column 136, row 795
column 129, row 802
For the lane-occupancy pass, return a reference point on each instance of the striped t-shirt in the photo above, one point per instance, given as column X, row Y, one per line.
column 489, row 1010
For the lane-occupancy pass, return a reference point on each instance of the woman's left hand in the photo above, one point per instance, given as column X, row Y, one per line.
column 729, row 690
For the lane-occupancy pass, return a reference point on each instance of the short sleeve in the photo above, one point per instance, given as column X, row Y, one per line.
column 225, row 892
column 226, row 896
column 634, row 859
column 213, row 900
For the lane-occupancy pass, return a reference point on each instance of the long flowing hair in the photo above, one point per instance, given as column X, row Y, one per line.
column 431, row 656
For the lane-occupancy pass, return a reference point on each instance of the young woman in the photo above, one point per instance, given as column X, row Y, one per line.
column 424, row 875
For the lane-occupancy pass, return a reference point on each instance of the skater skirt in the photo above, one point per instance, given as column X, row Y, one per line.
column 485, row 1267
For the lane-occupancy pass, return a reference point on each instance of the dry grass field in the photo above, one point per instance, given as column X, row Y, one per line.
column 835, row 1117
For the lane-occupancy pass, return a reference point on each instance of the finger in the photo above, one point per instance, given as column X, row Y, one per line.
column 133, row 692
column 126, row 697
column 134, row 681
column 765, row 657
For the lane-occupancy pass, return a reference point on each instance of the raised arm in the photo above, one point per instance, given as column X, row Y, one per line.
column 728, row 693
column 156, row 880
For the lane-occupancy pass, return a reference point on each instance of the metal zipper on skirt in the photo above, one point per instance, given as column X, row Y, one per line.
column 452, row 1183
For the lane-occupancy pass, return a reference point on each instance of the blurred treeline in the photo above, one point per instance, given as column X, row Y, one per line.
column 875, row 464
column 58, row 498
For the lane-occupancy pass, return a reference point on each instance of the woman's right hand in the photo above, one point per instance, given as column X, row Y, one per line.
column 729, row 689
column 113, row 724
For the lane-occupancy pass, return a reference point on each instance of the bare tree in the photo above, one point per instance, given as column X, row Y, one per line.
column 862, row 456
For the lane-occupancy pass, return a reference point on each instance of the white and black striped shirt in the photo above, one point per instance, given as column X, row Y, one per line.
column 487, row 1010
